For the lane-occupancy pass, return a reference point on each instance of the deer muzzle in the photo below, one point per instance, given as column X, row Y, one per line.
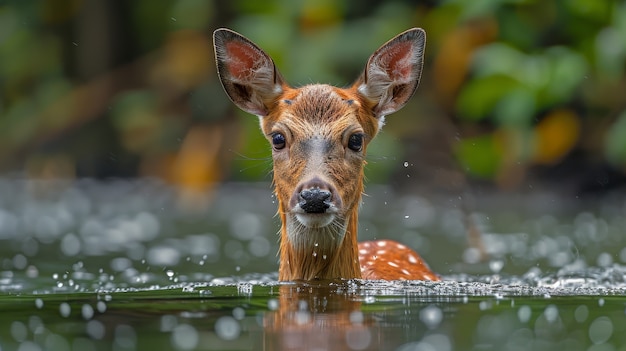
column 315, row 203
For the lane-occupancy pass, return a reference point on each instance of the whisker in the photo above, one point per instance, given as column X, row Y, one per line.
column 248, row 158
column 266, row 161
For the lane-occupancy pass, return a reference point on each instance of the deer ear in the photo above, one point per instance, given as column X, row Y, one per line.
column 393, row 72
column 247, row 73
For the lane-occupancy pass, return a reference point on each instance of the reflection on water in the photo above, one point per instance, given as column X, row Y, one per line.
column 122, row 265
column 258, row 313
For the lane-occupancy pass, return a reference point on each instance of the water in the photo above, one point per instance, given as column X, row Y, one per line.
column 128, row 265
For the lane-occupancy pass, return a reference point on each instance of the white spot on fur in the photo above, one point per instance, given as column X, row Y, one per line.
column 393, row 264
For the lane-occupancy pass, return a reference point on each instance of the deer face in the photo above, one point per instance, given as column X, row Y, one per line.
column 319, row 136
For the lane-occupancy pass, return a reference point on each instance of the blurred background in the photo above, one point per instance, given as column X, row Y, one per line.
column 516, row 95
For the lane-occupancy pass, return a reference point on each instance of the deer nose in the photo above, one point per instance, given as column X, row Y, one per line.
column 314, row 200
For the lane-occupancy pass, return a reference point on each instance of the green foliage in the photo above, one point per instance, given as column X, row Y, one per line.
column 479, row 156
column 500, row 65
column 615, row 142
column 513, row 87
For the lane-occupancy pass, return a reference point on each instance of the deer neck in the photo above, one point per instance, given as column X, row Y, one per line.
column 319, row 253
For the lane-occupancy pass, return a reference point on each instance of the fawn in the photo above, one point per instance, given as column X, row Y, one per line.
column 319, row 135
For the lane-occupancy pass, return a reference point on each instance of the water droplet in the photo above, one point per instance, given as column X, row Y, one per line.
column 600, row 330
column 19, row 332
column 471, row 255
column 358, row 339
column 551, row 313
column 272, row 304
column 356, row 317
column 32, row 271
column 604, row 259
column 20, row 261
column 581, row 313
column 431, row 316
column 125, row 337
column 406, row 164
column 168, row 322
column 496, row 265
column 70, row 245
column 524, row 313
column 87, row 311
column 163, row 256
column 185, row 337
column 95, row 329
column 239, row 313
column 65, row 309
column 227, row 328
column 39, row 303
column 101, row 306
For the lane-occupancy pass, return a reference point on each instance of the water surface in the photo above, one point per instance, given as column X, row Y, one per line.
column 126, row 265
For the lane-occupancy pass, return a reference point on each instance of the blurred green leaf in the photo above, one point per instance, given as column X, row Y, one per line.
column 479, row 8
column 479, row 156
column 589, row 9
column 479, row 97
column 516, row 109
column 134, row 109
column 615, row 142
column 568, row 71
column 610, row 53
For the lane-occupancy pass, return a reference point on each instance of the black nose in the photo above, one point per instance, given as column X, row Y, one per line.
column 314, row 200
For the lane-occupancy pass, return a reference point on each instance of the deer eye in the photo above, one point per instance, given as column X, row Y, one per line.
column 355, row 143
column 278, row 141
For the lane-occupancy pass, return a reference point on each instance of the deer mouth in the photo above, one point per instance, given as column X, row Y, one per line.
column 315, row 219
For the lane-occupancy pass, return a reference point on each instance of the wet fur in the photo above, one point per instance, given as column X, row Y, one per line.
column 317, row 121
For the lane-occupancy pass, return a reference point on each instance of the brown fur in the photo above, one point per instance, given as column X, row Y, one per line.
column 317, row 122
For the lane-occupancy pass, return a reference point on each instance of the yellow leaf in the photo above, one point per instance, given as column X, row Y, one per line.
column 555, row 136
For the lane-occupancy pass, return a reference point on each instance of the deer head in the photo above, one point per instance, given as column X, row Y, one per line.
column 319, row 135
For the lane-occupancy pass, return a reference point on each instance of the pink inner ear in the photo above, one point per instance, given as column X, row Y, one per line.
column 240, row 59
column 398, row 61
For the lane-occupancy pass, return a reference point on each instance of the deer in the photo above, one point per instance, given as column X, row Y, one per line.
column 319, row 134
